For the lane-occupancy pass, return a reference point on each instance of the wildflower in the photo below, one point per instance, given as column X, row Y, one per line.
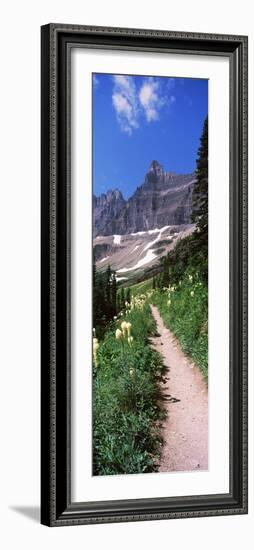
column 96, row 346
column 190, row 278
column 169, row 303
column 192, row 293
column 124, row 327
column 119, row 334
column 115, row 317
column 130, row 340
column 132, row 372
column 128, row 328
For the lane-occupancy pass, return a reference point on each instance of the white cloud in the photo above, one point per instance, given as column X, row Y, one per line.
column 125, row 83
column 153, row 95
column 124, row 100
column 150, row 99
column 130, row 104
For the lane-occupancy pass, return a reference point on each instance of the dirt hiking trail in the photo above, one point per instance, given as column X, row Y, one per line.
column 185, row 398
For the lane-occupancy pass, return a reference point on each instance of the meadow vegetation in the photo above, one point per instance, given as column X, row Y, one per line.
column 126, row 371
column 184, row 309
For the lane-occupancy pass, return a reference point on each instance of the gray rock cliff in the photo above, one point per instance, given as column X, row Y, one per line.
column 164, row 198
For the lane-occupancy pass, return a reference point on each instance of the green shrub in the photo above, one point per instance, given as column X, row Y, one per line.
column 187, row 316
column 125, row 399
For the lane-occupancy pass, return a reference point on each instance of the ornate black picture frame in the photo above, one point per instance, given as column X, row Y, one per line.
column 56, row 506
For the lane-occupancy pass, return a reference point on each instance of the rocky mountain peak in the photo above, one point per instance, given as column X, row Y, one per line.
column 156, row 168
column 112, row 196
column 114, row 193
column 155, row 174
column 164, row 198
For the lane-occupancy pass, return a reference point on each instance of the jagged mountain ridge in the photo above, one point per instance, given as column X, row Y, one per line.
column 164, row 198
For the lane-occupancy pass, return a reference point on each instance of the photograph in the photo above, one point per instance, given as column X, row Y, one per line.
column 144, row 275
column 150, row 182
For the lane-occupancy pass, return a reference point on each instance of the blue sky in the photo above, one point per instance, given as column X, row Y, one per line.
column 137, row 119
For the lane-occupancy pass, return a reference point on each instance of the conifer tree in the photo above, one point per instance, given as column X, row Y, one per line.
column 165, row 272
column 200, row 191
column 108, row 307
column 114, row 294
column 122, row 298
column 128, row 295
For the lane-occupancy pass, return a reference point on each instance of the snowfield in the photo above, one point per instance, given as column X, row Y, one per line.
column 130, row 255
column 117, row 239
column 149, row 257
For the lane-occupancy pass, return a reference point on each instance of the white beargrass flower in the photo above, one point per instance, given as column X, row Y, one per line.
column 192, row 293
column 128, row 328
column 169, row 303
column 132, row 372
column 119, row 334
column 124, row 327
column 130, row 340
column 96, row 346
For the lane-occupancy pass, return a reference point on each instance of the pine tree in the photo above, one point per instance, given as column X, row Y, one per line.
column 114, row 294
column 128, row 295
column 200, row 191
column 122, row 298
column 165, row 272
column 108, row 308
column 98, row 298
column 199, row 242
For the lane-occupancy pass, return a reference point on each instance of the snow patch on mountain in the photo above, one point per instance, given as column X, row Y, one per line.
column 149, row 245
column 149, row 257
column 103, row 259
column 117, row 239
